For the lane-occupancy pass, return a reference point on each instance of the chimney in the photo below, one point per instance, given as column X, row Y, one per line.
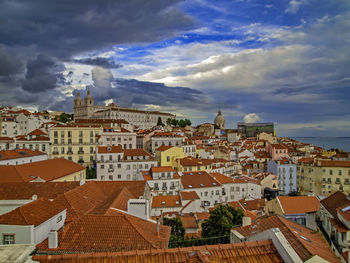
column 246, row 221
column 157, row 226
column 53, row 239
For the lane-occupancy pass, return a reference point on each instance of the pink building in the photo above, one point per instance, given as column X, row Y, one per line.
column 277, row 151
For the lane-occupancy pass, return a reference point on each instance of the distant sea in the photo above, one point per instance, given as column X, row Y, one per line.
column 327, row 142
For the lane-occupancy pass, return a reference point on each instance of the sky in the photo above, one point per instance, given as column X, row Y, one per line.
column 281, row 61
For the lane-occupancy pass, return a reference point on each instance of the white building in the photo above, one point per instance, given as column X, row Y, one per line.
column 114, row 163
column 35, row 140
column 85, row 109
column 122, row 137
column 189, row 149
column 163, row 138
column 9, row 127
column 207, row 188
column 32, row 223
column 246, row 187
column 6, row 143
column 163, row 180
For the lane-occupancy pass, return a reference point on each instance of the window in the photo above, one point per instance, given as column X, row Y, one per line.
column 128, row 167
column 9, row 239
column 339, row 172
column 119, row 176
column 102, row 166
column 111, row 177
column 330, row 172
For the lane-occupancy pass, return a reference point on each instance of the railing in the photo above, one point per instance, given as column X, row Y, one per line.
column 80, row 152
column 55, row 153
column 164, row 188
column 70, row 152
column 172, row 187
column 110, row 170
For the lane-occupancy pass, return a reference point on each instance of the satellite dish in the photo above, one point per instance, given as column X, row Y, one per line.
column 34, row 197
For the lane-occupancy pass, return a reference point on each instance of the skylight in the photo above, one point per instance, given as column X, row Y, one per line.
column 346, row 208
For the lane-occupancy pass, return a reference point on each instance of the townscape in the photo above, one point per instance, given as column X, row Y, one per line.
column 115, row 184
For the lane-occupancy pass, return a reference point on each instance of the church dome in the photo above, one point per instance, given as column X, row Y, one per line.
column 220, row 120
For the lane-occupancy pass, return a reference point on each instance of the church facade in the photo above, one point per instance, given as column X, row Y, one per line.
column 86, row 109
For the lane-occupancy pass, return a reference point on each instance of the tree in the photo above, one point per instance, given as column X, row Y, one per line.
column 90, row 173
column 159, row 122
column 221, row 221
column 177, row 231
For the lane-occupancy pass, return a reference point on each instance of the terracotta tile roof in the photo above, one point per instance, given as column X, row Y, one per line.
column 2, row 138
column 190, row 161
column 119, row 232
column 335, row 200
column 25, row 191
column 250, row 214
column 254, row 204
column 19, row 153
column 146, row 175
column 157, row 169
column 189, row 195
column 101, row 121
column 37, row 132
column 189, row 221
column 97, row 197
column 257, row 251
column 202, row 215
column 223, row 179
column 47, row 170
column 21, row 138
column 305, row 241
column 136, row 152
column 198, row 180
column 335, row 163
column 236, row 204
column 109, row 149
column 291, row 204
column 33, row 213
column 306, row 160
column 279, row 146
column 344, row 212
column 163, row 148
column 166, row 201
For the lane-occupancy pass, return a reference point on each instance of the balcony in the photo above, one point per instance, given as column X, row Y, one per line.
column 156, row 188
column 346, row 182
column 172, row 187
column 337, row 182
column 80, row 152
column 69, row 152
column 55, row 153
column 110, row 170
column 164, row 188
column 80, row 161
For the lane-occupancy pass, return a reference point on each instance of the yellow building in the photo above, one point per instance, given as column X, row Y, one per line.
column 75, row 142
column 190, row 164
column 323, row 177
column 167, row 155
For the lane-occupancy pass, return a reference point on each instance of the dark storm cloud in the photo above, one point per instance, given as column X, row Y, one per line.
column 64, row 28
column 102, row 62
column 44, row 34
column 9, row 62
column 42, row 74
column 129, row 92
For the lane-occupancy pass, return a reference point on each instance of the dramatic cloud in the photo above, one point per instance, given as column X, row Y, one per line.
column 42, row 74
column 251, row 118
column 9, row 63
column 131, row 92
column 99, row 61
